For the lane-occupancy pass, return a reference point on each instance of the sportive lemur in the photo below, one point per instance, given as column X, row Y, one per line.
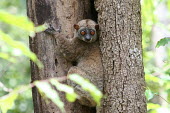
column 83, row 49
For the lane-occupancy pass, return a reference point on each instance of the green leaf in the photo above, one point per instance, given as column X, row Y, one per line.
column 168, row 4
column 87, row 86
column 150, row 78
column 19, row 21
column 149, row 94
column 40, row 28
column 37, row 30
column 16, row 44
column 163, row 42
column 70, row 94
column 152, row 106
column 46, row 89
column 7, row 101
column 7, row 57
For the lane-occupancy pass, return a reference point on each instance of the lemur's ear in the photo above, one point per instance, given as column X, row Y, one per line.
column 97, row 26
column 76, row 26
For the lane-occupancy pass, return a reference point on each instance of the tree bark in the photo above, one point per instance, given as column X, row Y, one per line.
column 120, row 43
column 58, row 13
column 121, row 47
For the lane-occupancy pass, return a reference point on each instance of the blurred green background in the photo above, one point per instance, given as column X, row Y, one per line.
column 18, row 73
column 155, row 25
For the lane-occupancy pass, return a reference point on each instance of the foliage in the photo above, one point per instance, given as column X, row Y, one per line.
column 15, row 71
column 22, row 49
column 46, row 90
column 87, row 86
column 19, row 21
column 7, row 102
column 19, row 49
column 149, row 94
column 152, row 106
column 70, row 94
column 157, row 78
column 163, row 42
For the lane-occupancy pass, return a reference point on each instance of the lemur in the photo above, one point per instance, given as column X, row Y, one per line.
column 83, row 48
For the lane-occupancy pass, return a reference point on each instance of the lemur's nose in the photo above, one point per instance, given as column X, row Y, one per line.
column 87, row 37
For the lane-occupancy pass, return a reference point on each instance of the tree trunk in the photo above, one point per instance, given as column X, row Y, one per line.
column 58, row 13
column 120, row 43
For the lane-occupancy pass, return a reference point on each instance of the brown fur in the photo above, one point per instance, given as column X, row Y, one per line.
column 88, row 58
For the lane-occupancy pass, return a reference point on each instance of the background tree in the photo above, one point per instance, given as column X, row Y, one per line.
column 156, row 64
column 13, row 74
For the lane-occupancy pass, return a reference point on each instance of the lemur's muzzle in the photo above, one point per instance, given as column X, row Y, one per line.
column 87, row 37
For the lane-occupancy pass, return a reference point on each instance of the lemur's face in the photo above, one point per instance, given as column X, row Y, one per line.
column 86, row 30
column 87, row 34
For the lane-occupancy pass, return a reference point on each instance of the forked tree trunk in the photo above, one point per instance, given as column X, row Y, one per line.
column 120, row 40
column 121, row 47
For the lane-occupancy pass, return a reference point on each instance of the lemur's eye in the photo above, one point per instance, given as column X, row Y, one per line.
column 83, row 32
column 92, row 32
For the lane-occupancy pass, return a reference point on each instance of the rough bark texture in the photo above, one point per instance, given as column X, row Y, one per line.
column 64, row 13
column 120, row 43
column 44, row 46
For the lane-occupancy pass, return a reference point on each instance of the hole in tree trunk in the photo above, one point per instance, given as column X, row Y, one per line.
column 56, row 62
column 94, row 13
column 93, row 110
column 74, row 63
